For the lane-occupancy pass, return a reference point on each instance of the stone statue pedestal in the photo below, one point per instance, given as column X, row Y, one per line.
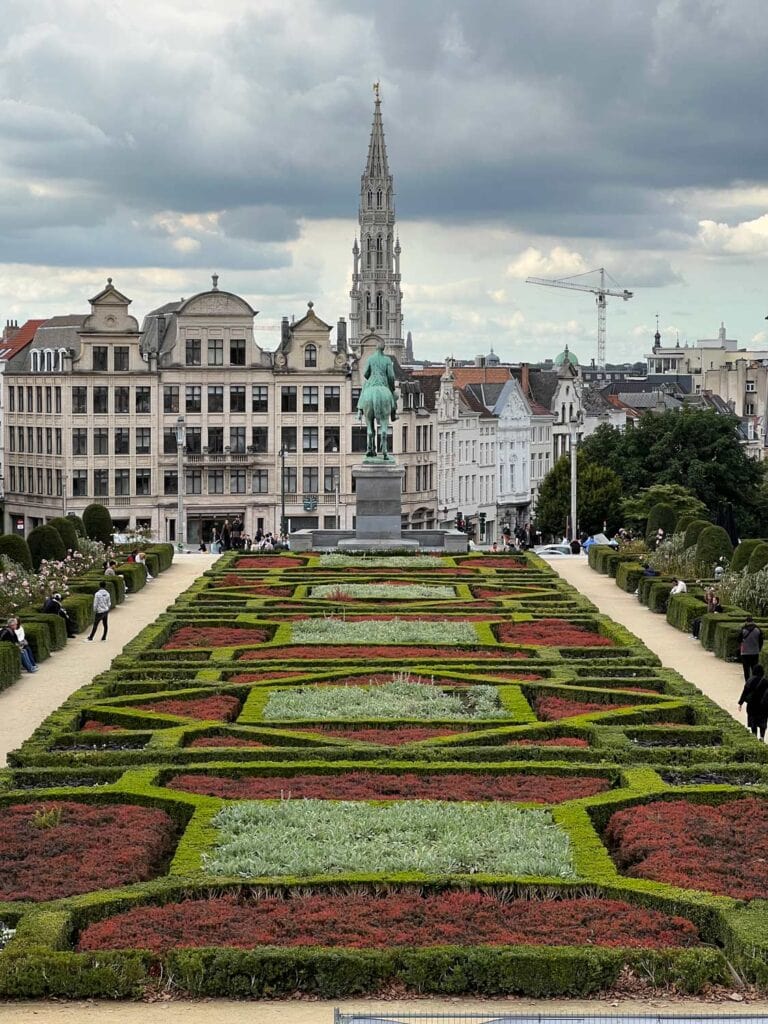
column 378, row 490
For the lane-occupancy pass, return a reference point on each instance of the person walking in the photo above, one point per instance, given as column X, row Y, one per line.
column 13, row 633
column 102, row 602
column 750, row 645
column 755, row 696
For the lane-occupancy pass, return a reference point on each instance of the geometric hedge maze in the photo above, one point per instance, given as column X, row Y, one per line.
column 330, row 774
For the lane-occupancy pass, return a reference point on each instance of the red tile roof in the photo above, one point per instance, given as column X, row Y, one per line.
column 464, row 375
column 20, row 339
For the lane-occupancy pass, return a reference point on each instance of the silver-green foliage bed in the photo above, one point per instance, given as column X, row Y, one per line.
column 390, row 701
column 308, row 837
column 385, row 591
column 382, row 631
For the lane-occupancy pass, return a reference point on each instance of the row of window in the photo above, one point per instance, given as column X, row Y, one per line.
column 49, row 435
column 215, row 352
column 120, row 357
column 34, row 399
column 36, row 480
column 121, row 402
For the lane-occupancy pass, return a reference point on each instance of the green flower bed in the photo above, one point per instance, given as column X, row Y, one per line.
column 321, row 837
column 391, row 631
column 389, row 701
column 383, row 591
column 414, row 562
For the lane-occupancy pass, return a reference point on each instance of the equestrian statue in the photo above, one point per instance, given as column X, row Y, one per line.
column 377, row 401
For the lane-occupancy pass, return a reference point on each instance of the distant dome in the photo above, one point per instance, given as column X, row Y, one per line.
column 492, row 359
column 566, row 356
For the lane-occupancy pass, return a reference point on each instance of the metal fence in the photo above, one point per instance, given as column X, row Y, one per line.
column 392, row 1017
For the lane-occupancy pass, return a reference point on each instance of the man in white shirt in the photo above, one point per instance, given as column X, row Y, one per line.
column 678, row 588
column 102, row 602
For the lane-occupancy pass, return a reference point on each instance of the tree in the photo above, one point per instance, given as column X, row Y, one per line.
column 697, row 449
column 98, row 523
column 45, row 544
column 661, row 517
column 637, row 508
column 597, row 498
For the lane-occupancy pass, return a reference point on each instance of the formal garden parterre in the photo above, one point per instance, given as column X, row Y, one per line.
column 329, row 774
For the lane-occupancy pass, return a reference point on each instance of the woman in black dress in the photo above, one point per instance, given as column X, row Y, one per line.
column 755, row 696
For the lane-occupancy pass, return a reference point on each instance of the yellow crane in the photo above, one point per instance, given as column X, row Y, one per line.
column 599, row 291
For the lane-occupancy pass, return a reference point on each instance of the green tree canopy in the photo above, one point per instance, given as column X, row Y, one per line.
column 597, row 499
column 697, row 449
column 637, row 508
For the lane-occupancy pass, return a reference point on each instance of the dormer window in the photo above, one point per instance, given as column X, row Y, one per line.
column 310, row 355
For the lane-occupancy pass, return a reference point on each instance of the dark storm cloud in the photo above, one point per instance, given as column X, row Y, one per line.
column 562, row 118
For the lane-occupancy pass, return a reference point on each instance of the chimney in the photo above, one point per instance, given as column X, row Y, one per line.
column 525, row 381
column 10, row 330
column 285, row 331
column 341, row 335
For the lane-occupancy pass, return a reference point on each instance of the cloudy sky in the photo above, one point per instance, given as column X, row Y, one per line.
column 158, row 141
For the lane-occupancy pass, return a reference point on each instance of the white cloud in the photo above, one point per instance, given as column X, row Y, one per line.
column 560, row 262
column 748, row 237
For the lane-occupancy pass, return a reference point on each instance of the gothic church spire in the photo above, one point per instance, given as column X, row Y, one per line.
column 376, row 296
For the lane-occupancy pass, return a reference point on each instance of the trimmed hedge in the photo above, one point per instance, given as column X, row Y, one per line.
column 759, row 558
column 16, row 548
column 10, row 665
column 742, row 554
column 682, row 609
column 628, row 576
column 65, row 528
column 693, row 530
column 45, row 544
column 713, row 543
column 98, row 523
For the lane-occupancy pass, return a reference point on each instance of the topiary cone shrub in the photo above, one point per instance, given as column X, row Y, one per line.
column 45, row 544
column 16, row 548
column 98, row 523
column 683, row 523
column 759, row 558
column 77, row 522
column 742, row 554
column 693, row 530
column 660, row 517
column 712, row 545
column 66, row 530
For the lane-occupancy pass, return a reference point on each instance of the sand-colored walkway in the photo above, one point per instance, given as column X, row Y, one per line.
column 25, row 704
column 721, row 681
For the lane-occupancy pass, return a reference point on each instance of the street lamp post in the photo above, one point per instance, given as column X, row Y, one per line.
column 575, row 423
column 283, row 521
column 181, row 437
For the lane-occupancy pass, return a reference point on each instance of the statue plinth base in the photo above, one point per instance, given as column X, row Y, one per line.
column 378, row 494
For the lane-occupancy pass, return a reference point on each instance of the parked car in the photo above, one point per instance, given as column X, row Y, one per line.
column 552, row 549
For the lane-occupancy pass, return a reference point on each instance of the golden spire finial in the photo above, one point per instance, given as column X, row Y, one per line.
column 376, row 91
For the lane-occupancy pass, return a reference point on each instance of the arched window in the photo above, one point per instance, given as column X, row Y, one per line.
column 379, row 309
column 367, row 309
column 562, row 413
column 310, row 355
column 61, row 353
column 370, row 199
column 379, row 253
column 34, row 358
column 570, row 413
column 378, row 199
column 49, row 359
column 369, row 252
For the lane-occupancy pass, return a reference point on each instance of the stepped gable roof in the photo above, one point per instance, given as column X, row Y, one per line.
column 23, row 336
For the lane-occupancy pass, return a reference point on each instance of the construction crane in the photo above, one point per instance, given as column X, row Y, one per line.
column 599, row 291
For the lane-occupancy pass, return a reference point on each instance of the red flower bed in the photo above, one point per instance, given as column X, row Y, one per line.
column 55, row 849
column 550, row 633
column 558, row 741
column 389, row 616
column 389, row 737
column 91, row 725
column 233, row 580
column 219, row 708
column 494, row 593
column 262, row 677
column 269, row 562
column 366, row 652
column 214, row 636
column 224, row 741
column 541, row 789
column 550, row 709
column 362, row 920
column 487, row 562
column 722, row 849
column 379, row 571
